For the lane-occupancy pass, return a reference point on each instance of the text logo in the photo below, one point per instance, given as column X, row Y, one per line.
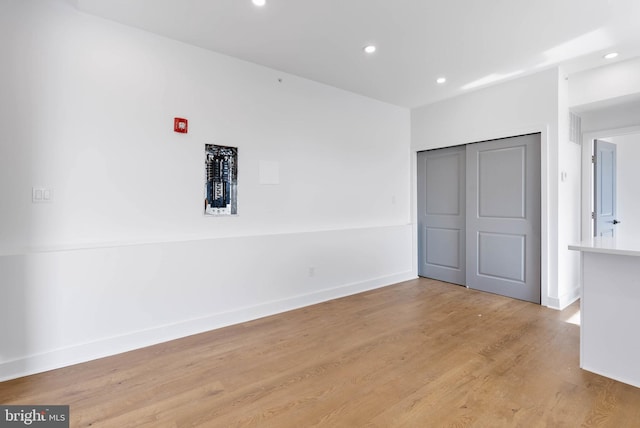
column 34, row 416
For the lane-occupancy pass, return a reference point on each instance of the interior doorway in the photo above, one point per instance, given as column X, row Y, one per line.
column 624, row 204
column 605, row 188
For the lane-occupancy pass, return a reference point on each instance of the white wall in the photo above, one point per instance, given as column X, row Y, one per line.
column 569, row 199
column 612, row 117
column 601, row 84
column 123, row 257
column 530, row 104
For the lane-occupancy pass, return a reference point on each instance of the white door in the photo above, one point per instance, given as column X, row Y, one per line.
column 503, row 217
column 441, row 214
column 604, row 177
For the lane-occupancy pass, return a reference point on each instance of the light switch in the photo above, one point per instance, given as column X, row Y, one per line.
column 41, row 195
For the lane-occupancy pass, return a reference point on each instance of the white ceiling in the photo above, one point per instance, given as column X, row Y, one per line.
column 418, row 40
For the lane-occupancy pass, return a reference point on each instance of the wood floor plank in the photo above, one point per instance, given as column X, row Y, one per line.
column 419, row 353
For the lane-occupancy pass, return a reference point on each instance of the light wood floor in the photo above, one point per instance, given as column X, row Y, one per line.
column 417, row 354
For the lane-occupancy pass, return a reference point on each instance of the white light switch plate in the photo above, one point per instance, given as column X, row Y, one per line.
column 41, row 195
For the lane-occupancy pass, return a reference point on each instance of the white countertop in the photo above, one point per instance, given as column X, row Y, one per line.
column 625, row 246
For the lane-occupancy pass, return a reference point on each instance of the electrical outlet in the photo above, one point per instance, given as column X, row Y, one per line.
column 312, row 272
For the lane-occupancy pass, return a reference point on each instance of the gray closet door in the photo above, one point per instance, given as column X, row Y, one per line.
column 503, row 217
column 441, row 214
column 605, row 189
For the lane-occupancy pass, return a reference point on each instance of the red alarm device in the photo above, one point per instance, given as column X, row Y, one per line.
column 180, row 125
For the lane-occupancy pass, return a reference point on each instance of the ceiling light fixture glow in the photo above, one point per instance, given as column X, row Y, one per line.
column 441, row 80
column 259, row 3
column 491, row 78
column 370, row 49
column 611, row 55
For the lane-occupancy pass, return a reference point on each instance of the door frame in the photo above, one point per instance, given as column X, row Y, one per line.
column 546, row 173
column 587, row 172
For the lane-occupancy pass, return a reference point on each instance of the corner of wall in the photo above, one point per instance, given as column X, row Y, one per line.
column 562, row 302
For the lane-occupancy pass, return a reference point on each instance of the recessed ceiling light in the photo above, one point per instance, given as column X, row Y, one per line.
column 441, row 80
column 370, row 49
column 259, row 2
column 611, row 55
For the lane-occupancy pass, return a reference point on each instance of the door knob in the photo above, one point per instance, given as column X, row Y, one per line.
column 616, row 222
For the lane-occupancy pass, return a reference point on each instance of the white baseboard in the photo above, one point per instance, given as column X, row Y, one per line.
column 565, row 300
column 84, row 352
